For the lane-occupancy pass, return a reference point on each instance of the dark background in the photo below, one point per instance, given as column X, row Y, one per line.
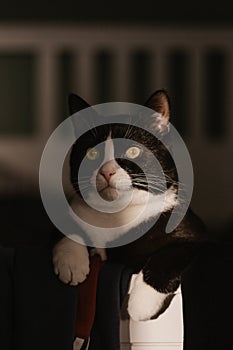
column 161, row 12
column 31, row 220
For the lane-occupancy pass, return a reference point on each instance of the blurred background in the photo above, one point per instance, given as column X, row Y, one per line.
column 105, row 52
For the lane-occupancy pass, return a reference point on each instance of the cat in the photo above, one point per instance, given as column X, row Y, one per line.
column 159, row 259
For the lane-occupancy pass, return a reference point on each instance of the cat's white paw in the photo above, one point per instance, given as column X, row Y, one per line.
column 144, row 300
column 71, row 261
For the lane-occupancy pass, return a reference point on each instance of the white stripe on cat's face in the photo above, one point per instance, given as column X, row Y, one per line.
column 112, row 182
column 108, row 150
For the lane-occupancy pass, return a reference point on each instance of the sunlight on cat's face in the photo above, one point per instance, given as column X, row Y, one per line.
column 111, row 181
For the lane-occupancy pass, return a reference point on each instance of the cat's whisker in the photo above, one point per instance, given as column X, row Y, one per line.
column 153, row 183
column 148, row 176
column 140, row 184
column 157, row 179
column 128, row 131
column 149, row 182
column 150, row 187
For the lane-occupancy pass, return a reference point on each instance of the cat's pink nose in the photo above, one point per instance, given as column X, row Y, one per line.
column 108, row 170
column 107, row 174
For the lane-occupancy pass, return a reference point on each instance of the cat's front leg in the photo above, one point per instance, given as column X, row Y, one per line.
column 160, row 278
column 71, row 261
column 144, row 300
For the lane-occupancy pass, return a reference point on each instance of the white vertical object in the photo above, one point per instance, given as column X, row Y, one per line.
column 162, row 333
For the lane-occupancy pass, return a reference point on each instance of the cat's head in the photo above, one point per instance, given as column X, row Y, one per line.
column 115, row 167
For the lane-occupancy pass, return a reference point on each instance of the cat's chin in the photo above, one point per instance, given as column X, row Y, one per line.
column 109, row 194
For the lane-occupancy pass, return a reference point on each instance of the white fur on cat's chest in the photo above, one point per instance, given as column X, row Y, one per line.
column 104, row 227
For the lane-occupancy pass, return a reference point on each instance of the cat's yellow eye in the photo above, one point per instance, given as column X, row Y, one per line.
column 92, row 153
column 133, row 152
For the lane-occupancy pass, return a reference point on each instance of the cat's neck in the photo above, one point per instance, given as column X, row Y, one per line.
column 141, row 208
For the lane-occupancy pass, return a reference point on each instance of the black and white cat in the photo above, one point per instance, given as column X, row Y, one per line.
column 158, row 258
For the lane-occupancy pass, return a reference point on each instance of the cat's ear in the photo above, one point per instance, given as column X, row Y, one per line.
column 76, row 104
column 160, row 103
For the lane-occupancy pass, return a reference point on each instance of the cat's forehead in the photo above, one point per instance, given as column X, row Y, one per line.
column 119, row 130
column 99, row 135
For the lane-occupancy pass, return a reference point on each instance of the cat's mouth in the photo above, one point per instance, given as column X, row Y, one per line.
column 109, row 193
